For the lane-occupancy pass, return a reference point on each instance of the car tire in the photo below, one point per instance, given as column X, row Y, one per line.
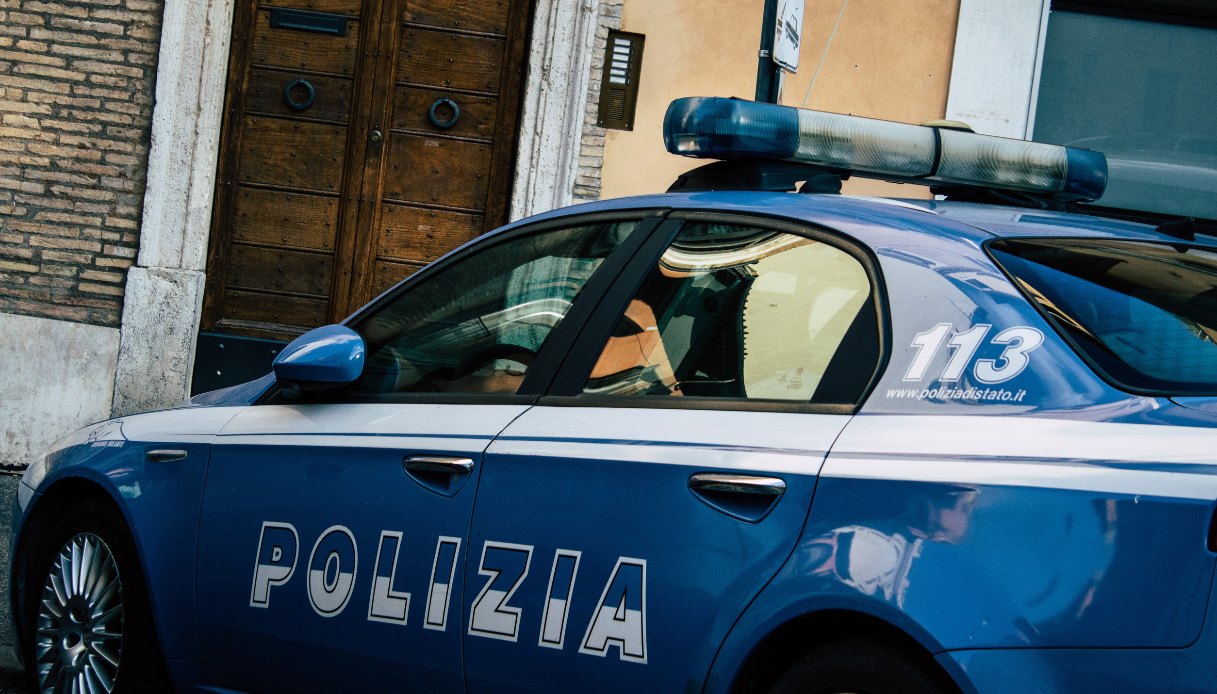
column 87, row 614
column 860, row 666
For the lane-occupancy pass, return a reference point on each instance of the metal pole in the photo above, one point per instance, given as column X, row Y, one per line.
column 767, row 78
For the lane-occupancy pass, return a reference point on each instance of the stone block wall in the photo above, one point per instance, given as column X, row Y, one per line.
column 76, row 93
column 591, row 146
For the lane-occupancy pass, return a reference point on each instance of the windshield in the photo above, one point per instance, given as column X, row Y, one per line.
column 1144, row 315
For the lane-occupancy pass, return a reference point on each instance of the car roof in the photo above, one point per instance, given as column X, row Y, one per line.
column 884, row 221
column 1008, row 221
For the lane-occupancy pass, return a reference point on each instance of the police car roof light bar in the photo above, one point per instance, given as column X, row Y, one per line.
column 734, row 129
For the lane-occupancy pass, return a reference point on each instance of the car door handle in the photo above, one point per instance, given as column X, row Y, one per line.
column 744, row 497
column 432, row 464
column 737, row 484
column 442, row 474
column 165, row 455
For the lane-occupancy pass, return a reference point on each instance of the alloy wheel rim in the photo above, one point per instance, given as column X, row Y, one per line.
column 80, row 619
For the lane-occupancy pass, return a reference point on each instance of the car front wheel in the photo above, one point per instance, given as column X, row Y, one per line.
column 87, row 608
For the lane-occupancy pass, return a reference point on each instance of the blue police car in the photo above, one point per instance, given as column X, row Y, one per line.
column 728, row 438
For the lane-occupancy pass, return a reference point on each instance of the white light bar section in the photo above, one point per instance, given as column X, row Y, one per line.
column 1002, row 163
column 851, row 142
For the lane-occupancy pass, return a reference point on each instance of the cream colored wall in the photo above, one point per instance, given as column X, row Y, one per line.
column 890, row 59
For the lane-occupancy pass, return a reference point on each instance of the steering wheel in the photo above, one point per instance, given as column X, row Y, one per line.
column 486, row 370
column 487, row 356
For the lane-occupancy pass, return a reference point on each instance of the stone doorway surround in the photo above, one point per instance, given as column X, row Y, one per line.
column 164, row 294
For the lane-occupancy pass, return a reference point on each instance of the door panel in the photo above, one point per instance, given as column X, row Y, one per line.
column 288, row 220
column 469, row 15
column 445, row 183
column 364, row 147
column 307, row 51
column 257, row 309
column 293, row 154
column 444, row 59
column 282, row 170
column 287, row 486
column 437, row 171
column 413, row 233
column 281, row 270
column 387, row 274
column 332, row 96
column 662, row 573
column 681, row 467
column 311, row 508
column 477, row 117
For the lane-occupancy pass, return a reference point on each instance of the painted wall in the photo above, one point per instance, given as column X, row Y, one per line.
column 888, row 60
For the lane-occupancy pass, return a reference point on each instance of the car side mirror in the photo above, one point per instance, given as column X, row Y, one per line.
column 327, row 357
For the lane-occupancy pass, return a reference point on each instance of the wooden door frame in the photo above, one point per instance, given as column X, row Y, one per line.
column 164, row 295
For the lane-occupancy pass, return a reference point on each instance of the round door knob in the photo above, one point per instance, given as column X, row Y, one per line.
column 377, row 136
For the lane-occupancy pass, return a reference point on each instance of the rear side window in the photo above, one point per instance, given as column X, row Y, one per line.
column 741, row 312
column 1143, row 314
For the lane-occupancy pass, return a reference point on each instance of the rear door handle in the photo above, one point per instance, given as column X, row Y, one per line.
column 744, row 497
column 438, row 464
column 737, row 484
column 441, row 474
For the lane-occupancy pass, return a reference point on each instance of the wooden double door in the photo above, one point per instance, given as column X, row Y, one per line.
column 362, row 139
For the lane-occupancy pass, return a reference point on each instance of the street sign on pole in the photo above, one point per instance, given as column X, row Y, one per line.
column 788, row 30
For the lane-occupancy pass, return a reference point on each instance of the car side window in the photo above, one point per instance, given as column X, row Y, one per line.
column 736, row 311
column 476, row 325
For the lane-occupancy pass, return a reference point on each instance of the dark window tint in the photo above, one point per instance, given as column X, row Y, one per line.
column 739, row 312
column 1142, row 93
column 476, row 325
column 1143, row 314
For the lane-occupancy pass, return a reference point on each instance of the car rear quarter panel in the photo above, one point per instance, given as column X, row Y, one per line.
column 1034, row 547
column 916, row 521
column 1191, row 670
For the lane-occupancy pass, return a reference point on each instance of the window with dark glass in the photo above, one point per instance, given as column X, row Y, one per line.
column 1143, row 314
column 476, row 325
column 740, row 312
column 1133, row 79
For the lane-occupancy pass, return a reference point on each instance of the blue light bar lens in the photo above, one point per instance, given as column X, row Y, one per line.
column 718, row 128
column 1087, row 174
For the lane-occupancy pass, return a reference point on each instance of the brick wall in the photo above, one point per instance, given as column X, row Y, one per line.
column 591, row 150
column 76, row 88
